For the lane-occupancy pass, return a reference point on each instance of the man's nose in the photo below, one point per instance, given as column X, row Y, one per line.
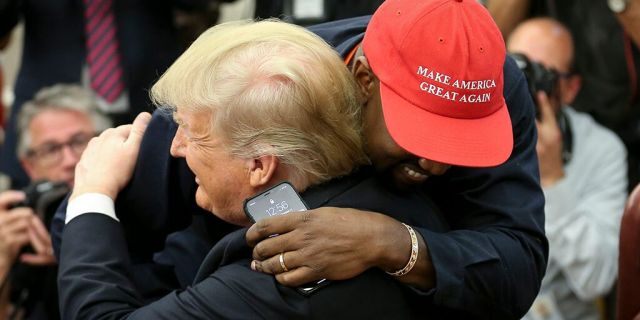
column 177, row 145
column 69, row 157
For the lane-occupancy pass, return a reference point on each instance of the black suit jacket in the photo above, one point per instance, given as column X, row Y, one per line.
column 95, row 281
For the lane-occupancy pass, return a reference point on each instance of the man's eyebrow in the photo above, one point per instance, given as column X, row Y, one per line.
column 178, row 120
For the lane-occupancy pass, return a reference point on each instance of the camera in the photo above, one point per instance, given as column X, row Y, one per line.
column 543, row 79
column 43, row 197
column 28, row 281
column 538, row 76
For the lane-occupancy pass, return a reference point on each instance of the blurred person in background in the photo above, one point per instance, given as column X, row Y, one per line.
column 117, row 48
column 583, row 175
column 54, row 127
column 606, row 36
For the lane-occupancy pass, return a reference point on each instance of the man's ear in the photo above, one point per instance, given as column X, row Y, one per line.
column 571, row 88
column 262, row 170
column 364, row 77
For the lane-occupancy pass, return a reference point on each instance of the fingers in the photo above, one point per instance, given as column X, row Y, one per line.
column 546, row 110
column 138, row 128
column 20, row 240
column 14, row 231
column 10, row 197
column 297, row 277
column 131, row 133
column 16, row 240
column 271, row 247
column 41, row 243
column 276, row 225
column 10, row 244
column 108, row 163
column 39, row 237
column 273, row 265
column 16, row 221
column 40, row 229
column 122, row 131
column 37, row 259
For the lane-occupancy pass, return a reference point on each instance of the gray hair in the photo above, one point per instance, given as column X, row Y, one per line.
column 60, row 97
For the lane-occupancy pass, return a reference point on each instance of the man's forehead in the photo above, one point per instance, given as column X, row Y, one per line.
column 56, row 125
column 195, row 122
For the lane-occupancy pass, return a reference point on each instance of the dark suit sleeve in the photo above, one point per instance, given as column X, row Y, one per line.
column 94, row 283
column 493, row 261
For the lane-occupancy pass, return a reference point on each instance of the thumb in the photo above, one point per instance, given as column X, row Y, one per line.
column 10, row 197
column 138, row 128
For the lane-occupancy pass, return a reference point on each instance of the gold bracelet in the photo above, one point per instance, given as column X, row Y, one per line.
column 414, row 254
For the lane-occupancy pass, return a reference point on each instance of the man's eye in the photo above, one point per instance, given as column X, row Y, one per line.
column 47, row 149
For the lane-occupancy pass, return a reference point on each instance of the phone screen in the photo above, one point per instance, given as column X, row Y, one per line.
column 278, row 200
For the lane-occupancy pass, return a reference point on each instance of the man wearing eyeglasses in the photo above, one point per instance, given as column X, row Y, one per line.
column 55, row 128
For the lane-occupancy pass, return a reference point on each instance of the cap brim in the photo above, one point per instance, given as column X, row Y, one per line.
column 483, row 142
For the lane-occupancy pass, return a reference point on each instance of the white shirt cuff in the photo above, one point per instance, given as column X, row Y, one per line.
column 90, row 202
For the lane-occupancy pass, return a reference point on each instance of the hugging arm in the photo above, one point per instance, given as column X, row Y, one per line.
column 491, row 263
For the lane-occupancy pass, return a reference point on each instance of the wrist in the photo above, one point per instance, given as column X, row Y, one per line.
column 413, row 257
column 79, row 190
column 90, row 202
column 394, row 248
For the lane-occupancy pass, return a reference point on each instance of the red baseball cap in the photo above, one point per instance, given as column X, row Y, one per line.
column 440, row 66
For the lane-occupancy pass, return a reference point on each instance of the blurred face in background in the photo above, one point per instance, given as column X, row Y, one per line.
column 58, row 138
column 550, row 44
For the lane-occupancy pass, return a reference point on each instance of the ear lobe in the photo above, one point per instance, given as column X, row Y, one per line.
column 364, row 76
column 571, row 89
column 262, row 170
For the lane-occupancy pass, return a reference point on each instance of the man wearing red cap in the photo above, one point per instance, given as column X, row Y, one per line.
column 435, row 80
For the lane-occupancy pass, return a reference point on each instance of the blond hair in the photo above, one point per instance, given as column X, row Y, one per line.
column 273, row 89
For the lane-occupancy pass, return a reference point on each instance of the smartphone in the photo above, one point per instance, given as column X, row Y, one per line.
column 277, row 200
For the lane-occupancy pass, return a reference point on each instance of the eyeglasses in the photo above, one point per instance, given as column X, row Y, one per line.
column 564, row 75
column 51, row 152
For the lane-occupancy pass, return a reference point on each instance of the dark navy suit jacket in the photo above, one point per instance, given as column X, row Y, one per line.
column 492, row 261
column 95, row 279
